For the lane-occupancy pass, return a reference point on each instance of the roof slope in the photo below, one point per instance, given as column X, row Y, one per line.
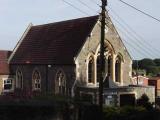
column 4, row 67
column 155, row 78
column 54, row 43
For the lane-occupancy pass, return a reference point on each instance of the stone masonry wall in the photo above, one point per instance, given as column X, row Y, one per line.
column 48, row 76
column 90, row 48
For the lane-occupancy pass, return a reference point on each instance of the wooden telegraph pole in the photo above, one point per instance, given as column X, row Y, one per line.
column 103, row 18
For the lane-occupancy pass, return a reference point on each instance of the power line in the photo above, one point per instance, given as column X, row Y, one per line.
column 95, row 3
column 140, row 11
column 86, row 5
column 80, row 9
column 139, row 51
column 131, row 45
column 124, row 33
column 76, row 7
column 100, row 25
column 135, row 50
column 135, row 35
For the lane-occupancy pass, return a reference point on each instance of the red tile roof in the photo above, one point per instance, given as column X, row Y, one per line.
column 154, row 78
column 4, row 67
column 54, row 43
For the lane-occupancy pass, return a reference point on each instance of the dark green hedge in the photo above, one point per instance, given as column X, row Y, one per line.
column 91, row 112
column 23, row 112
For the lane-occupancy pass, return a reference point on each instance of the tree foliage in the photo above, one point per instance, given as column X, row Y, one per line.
column 152, row 67
column 144, row 63
column 144, row 102
column 130, row 113
column 157, row 61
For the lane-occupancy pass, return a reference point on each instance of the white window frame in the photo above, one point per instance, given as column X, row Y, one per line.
column 11, row 82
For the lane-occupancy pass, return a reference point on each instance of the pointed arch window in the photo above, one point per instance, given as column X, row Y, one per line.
column 36, row 80
column 19, row 79
column 118, row 70
column 109, row 65
column 98, row 68
column 91, row 70
column 60, row 85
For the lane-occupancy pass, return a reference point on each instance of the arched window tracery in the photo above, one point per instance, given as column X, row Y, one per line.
column 91, row 70
column 36, row 80
column 60, row 87
column 98, row 68
column 19, row 79
column 118, row 69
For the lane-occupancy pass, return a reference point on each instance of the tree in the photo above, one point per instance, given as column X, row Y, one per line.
column 144, row 63
column 135, row 64
column 144, row 102
column 154, row 70
column 157, row 61
column 147, row 64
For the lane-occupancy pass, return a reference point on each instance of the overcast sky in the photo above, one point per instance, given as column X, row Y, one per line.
column 15, row 15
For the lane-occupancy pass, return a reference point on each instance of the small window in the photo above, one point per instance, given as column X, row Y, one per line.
column 7, row 84
column 36, row 78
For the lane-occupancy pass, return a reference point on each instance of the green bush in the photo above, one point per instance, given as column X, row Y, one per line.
column 144, row 102
column 124, row 113
column 111, row 113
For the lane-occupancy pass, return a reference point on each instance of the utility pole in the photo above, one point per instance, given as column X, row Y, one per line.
column 103, row 18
